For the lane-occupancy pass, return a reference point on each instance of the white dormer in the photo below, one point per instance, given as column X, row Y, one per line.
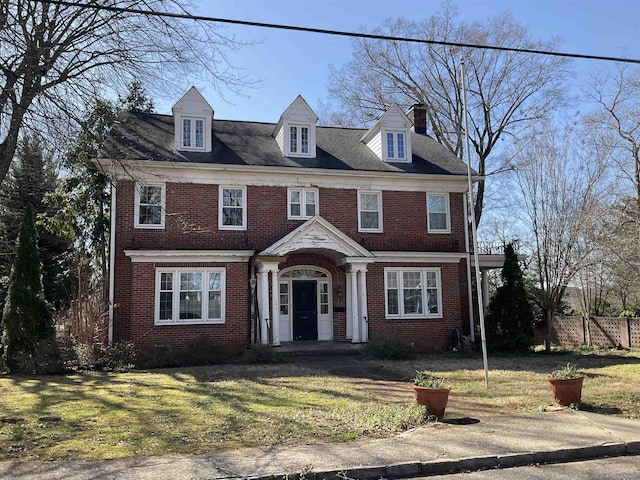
column 296, row 130
column 390, row 137
column 192, row 117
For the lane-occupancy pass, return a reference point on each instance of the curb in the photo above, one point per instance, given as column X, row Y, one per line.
column 443, row 467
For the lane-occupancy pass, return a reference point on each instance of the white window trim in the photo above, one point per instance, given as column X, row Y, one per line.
column 136, row 211
column 407, row 146
column 423, row 272
column 370, row 230
column 221, row 226
column 447, row 213
column 303, row 203
column 176, row 271
column 311, row 140
column 193, row 147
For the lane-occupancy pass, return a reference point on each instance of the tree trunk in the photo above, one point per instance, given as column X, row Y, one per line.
column 547, row 339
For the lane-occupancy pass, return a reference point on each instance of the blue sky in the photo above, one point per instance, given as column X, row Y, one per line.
column 290, row 63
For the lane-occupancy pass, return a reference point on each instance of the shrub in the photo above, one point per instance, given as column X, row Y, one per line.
column 258, row 353
column 391, row 348
column 157, row 356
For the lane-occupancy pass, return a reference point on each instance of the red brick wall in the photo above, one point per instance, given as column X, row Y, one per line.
column 424, row 333
column 232, row 336
column 191, row 222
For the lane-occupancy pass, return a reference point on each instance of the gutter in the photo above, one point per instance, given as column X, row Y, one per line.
column 112, row 249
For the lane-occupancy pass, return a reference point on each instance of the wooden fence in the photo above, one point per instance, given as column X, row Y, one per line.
column 598, row 331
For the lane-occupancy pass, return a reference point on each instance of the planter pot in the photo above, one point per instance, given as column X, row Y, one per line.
column 435, row 399
column 566, row 390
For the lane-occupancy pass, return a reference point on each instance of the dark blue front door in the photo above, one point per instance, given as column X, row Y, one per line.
column 305, row 310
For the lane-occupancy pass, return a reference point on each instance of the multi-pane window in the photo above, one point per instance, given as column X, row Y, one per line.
column 189, row 296
column 438, row 213
column 369, row 211
column 284, row 299
column 396, row 146
column 193, row 133
column 303, row 203
column 149, row 204
column 324, row 298
column 299, row 139
column 233, row 209
column 413, row 293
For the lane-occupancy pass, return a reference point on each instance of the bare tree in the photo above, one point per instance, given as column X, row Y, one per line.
column 504, row 89
column 56, row 59
column 618, row 117
column 616, row 122
column 563, row 183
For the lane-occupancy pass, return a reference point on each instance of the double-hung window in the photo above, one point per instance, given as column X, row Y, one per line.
column 193, row 133
column 438, row 213
column 303, row 203
column 149, row 206
column 396, row 146
column 413, row 293
column 189, row 296
column 232, row 208
column 370, row 211
column 299, row 139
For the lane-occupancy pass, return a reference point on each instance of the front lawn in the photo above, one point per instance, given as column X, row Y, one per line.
column 189, row 410
column 210, row 409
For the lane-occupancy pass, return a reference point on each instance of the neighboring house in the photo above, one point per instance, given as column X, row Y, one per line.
column 316, row 233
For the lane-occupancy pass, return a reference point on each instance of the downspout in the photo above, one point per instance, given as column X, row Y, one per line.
column 472, row 325
column 112, row 256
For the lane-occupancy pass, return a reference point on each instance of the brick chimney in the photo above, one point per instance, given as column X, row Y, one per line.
column 418, row 115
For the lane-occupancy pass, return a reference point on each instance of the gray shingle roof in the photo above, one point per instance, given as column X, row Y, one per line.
column 147, row 136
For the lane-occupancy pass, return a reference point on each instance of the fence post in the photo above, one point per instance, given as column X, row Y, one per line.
column 625, row 332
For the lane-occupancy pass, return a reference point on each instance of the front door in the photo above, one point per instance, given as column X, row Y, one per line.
column 305, row 310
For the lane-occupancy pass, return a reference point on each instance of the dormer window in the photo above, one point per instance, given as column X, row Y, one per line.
column 299, row 139
column 396, row 146
column 295, row 132
column 193, row 133
column 390, row 137
column 192, row 121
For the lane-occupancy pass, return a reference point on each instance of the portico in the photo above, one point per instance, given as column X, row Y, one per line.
column 297, row 303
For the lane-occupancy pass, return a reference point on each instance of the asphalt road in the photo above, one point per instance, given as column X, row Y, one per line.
column 618, row 468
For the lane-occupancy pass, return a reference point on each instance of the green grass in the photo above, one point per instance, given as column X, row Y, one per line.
column 194, row 410
column 216, row 408
column 518, row 384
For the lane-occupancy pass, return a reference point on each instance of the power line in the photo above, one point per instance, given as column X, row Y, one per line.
column 247, row 23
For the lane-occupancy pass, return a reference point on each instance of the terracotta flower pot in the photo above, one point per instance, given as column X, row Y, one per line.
column 435, row 399
column 566, row 390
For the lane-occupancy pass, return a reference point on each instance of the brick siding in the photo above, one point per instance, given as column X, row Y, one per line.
column 191, row 223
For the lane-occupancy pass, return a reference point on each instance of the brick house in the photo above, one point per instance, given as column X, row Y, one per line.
column 259, row 232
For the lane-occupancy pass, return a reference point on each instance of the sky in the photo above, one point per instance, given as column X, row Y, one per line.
column 288, row 63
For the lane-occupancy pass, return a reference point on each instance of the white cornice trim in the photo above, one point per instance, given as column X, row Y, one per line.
column 419, row 257
column 186, row 256
column 206, row 173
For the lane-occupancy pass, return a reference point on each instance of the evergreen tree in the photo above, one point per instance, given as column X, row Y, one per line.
column 510, row 319
column 27, row 323
column 31, row 179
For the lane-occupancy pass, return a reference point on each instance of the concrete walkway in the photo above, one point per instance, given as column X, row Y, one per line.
column 441, row 447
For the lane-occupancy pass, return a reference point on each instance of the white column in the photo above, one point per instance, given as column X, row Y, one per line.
column 275, row 307
column 362, row 303
column 264, row 307
column 347, row 301
column 355, row 317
